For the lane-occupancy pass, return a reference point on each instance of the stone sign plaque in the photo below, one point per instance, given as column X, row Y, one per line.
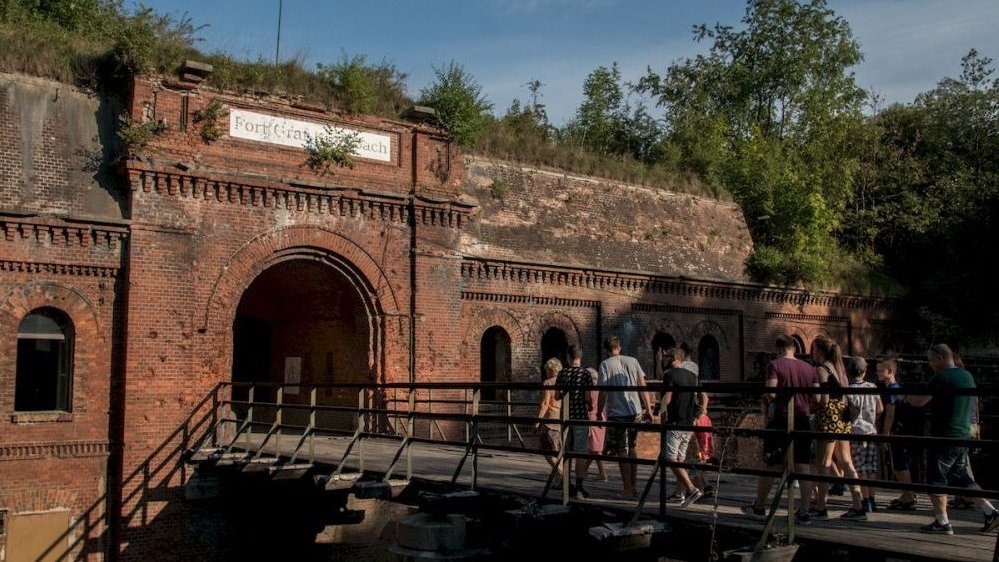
column 261, row 127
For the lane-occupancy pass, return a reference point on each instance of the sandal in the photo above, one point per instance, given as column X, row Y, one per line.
column 899, row 505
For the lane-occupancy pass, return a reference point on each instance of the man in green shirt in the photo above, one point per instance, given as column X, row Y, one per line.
column 950, row 416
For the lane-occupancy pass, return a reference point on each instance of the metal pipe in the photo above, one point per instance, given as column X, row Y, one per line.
column 277, row 51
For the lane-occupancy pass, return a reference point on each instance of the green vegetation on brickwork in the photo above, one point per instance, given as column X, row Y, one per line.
column 333, row 149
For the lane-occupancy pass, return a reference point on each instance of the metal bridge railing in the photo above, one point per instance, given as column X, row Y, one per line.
column 393, row 411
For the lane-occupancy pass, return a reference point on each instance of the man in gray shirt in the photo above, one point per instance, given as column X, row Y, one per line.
column 622, row 406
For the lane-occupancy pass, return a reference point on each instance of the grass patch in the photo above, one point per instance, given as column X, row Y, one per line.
column 48, row 51
column 534, row 149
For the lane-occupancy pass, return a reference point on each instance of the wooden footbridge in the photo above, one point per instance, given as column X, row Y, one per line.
column 389, row 436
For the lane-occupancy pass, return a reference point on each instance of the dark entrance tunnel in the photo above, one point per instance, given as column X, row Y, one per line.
column 554, row 343
column 301, row 321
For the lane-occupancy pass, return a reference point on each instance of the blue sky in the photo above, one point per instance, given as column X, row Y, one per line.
column 909, row 44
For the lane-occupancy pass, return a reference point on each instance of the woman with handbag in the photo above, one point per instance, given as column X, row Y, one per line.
column 832, row 415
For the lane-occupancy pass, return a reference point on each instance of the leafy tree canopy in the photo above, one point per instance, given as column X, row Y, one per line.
column 771, row 114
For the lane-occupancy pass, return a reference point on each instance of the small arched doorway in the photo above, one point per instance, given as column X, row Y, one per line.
column 494, row 359
column 661, row 341
column 303, row 321
column 708, row 358
column 554, row 343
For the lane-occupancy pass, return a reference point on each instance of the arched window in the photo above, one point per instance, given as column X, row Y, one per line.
column 660, row 342
column 708, row 358
column 799, row 346
column 554, row 343
column 44, row 380
column 494, row 359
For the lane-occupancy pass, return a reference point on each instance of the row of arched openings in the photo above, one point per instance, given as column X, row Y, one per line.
column 708, row 357
column 496, row 363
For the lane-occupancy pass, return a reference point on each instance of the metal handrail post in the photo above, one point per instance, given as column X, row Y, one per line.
column 312, row 425
column 229, row 414
column 509, row 414
column 216, row 415
column 430, row 410
column 411, row 433
column 662, row 465
column 790, row 468
column 467, row 425
column 362, row 419
column 475, row 437
column 249, row 416
column 278, row 419
column 564, row 463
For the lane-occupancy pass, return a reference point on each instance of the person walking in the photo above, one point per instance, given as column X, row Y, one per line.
column 784, row 372
column 681, row 408
column 549, row 433
column 623, row 406
column 899, row 418
column 829, row 418
column 950, row 417
column 597, row 432
column 867, row 408
column 572, row 386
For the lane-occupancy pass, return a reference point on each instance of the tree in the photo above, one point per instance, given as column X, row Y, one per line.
column 608, row 123
column 461, row 108
column 596, row 122
column 772, row 114
column 929, row 194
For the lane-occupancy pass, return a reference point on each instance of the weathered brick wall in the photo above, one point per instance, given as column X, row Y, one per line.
column 533, row 215
column 61, row 247
column 527, row 299
column 56, row 146
column 205, row 228
column 421, row 161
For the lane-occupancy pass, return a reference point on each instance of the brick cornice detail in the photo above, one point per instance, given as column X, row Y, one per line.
column 278, row 193
column 72, row 269
column 647, row 307
column 528, row 299
column 520, row 272
column 811, row 318
column 64, row 449
column 60, row 232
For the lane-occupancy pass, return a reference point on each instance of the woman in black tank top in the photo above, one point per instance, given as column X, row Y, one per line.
column 830, row 454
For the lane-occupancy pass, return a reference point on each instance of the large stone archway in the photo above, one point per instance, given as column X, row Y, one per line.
column 359, row 272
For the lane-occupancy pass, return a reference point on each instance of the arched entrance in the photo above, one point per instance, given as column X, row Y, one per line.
column 554, row 343
column 494, row 359
column 708, row 358
column 661, row 341
column 303, row 321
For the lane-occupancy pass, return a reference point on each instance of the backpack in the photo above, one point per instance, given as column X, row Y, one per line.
column 850, row 411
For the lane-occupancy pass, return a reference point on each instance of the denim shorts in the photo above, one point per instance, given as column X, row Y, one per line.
column 948, row 465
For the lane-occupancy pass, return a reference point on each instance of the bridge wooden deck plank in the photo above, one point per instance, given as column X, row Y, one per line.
column 524, row 474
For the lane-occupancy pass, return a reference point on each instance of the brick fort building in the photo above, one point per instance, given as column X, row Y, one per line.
column 131, row 287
